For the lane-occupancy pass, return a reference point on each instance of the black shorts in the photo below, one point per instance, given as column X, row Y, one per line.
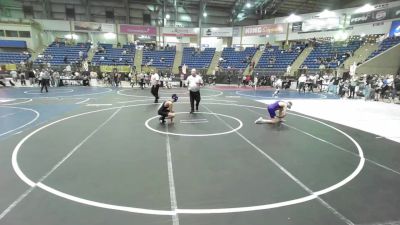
column 163, row 113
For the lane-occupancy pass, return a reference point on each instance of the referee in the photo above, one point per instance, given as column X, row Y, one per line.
column 155, row 85
column 194, row 82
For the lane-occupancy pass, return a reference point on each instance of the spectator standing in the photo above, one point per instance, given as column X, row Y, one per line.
column 302, row 83
column 31, row 77
column 14, row 75
column 2, row 80
column 22, row 77
column 352, row 87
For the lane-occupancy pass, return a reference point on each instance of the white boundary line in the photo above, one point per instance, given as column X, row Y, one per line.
column 68, row 90
column 68, row 96
column 83, row 101
column 145, row 96
column 196, row 135
column 26, row 124
column 289, row 174
column 17, row 103
column 193, row 122
column 330, row 143
column 24, row 178
column 384, row 223
column 55, row 167
column 171, row 182
column 99, row 105
column 265, row 97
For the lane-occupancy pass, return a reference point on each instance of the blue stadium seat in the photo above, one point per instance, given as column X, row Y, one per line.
column 277, row 60
column 115, row 56
column 328, row 52
column 12, row 57
column 56, row 52
column 161, row 59
column 236, row 59
column 385, row 45
column 194, row 59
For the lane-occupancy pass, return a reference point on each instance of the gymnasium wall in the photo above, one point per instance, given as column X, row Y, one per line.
column 33, row 42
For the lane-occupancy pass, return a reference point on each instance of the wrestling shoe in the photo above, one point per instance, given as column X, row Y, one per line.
column 258, row 120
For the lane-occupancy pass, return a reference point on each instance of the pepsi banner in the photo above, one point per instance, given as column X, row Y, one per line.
column 361, row 18
column 375, row 16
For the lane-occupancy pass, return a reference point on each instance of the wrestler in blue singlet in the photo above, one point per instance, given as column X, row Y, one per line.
column 272, row 108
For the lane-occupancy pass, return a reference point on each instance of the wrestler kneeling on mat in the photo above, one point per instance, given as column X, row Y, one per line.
column 280, row 106
column 166, row 109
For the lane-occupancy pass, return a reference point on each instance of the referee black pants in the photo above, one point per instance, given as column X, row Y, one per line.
column 194, row 96
column 154, row 92
column 44, row 83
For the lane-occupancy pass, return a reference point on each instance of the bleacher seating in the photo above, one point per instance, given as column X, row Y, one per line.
column 161, row 59
column 277, row 60
column 236, row 59
column 12, row 57
column 115, row 56
column 194, row 59
column 327, row 52
column 56, row 52
column 385, row 45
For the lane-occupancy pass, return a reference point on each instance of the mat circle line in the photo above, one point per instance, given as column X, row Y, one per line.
column 240, row 93
column 197, row 135
column 37, row 114
column 55, row 92
column 146, row 96
column 312, row 196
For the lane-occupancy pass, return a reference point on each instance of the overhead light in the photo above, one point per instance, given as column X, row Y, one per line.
column 205, row 14
column 365, row 8
column 248, row 5
column 167, row 16
column 363, row 35
column 110, row 35
column 293, row 18
column 326, row 14
column 72, row 36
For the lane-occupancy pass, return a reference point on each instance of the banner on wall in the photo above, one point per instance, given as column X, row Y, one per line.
column 395, row 29
column 217, row 32
column 361, row 18
column 263, row 29
column 121, row 69
column 375, row 16
column 140, row 30
column 297, row 27
column 317, row 24
column 236, row 32
column 180, row 32
column 394, row 12
column 94, row 27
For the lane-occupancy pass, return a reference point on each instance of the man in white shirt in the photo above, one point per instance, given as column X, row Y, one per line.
column 44, row 80
column 194, row 82
column 14, row 75
column 302, row 83
column 155, row 85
